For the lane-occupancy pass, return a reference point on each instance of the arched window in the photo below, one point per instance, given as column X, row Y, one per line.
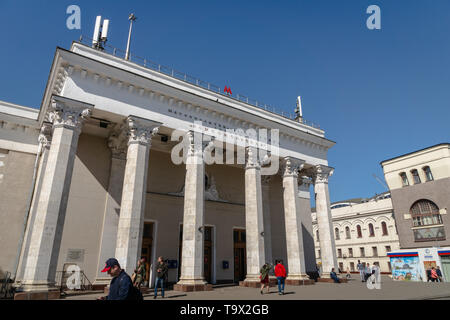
column 415, row 175
column 371, row 230
column 428, row 173
column 384, row 228
column 404, row 178
column 347, row 233
column 317, row 235
column 424, row 213
column 336, row 231
column 358, row 231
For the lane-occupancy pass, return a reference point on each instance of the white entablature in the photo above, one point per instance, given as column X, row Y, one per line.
column 119, row 88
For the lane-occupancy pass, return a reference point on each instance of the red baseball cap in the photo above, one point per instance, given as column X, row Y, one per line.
column 111, row 262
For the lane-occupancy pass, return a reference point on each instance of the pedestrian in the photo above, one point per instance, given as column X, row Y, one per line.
column 280, row 273
column 439, row 273
column 375, row 272
column 334, row 276
column 121, row 287
column 264, row 276
column 161, row 276
column 139, row 274
column 360, row 267
column 367, row 272
column 434, row 276
column 348, row 275
column 428, row 275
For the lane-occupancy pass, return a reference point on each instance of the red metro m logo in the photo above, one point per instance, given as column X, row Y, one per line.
column 227, row 90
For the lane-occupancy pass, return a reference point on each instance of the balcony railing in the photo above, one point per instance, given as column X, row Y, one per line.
column 193, row 80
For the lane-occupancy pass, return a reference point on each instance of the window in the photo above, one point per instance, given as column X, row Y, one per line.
column 363, row 254
column 371, row 230
column 426, row 213
column 341, row 266
column 375, row 251
column 347, row 233
column 404, row 178
column 358, row 230
column 350, row 252
column 336, row 231
column 317, row 235
column 388, row 249
column 389, row 266
column 339, row 253
column 352, row 266
column 384, row 228
column 318, row 254
column 415, row 175
column 428, row 174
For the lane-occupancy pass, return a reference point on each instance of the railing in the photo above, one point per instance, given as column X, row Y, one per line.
column 192, row 80
column 63, row 276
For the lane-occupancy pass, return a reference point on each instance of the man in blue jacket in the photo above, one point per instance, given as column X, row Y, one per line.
column 121, row 287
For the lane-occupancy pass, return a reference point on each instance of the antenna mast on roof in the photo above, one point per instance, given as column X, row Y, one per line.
column 132, row 18
column 100, row 33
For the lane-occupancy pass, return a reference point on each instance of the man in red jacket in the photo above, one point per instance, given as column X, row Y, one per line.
column 280, row 273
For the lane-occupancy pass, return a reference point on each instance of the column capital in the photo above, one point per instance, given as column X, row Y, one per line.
column 251, row 158
column 68, row 113
column 304, row 181
column 117, row 142
column 321, row 173
column 45, row 136
column 291, row 166
column 196, row 144
column 141, row 130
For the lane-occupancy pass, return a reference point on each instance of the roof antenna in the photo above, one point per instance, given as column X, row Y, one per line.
column 298, row 110
column 100, row 33
column 132, row 18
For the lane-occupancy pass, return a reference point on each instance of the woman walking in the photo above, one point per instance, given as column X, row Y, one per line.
column 264, row 276
column 139, row 274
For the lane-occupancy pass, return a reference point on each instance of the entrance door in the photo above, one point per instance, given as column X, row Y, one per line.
column 239, row 255
column 147, row 245
column 207, row 251
column 445, row 260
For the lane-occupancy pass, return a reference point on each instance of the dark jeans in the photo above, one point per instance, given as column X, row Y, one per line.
column 280, row 284
column 159, row 280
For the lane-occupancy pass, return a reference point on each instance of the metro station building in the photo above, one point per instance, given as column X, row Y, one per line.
column 90, row 176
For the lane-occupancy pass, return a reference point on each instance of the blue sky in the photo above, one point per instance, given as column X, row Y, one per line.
column 377, row 93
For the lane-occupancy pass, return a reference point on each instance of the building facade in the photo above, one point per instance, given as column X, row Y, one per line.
column 364, row 229
column 420, row 187
column 92, row 175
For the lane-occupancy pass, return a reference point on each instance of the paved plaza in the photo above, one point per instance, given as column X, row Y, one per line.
column 353, row 290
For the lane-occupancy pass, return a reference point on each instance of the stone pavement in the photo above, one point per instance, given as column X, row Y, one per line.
column 353, row 290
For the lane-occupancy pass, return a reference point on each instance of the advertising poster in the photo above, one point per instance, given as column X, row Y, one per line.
column 405, row 268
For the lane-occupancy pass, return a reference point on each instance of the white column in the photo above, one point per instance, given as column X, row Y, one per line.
column 44, row 140
column 131, row 220
column 117, row 142
column 292, row 218
column 265, row 181
column 40, row 269
column 307, row 230
column 254, row 224
column 324, row 221
column 193, row 217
